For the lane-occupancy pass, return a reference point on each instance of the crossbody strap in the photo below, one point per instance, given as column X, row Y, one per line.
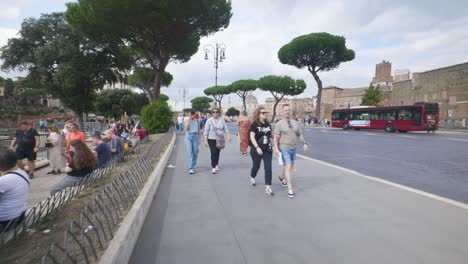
column 19, row 175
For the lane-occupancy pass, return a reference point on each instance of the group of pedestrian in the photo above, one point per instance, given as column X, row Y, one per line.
column 257, row 134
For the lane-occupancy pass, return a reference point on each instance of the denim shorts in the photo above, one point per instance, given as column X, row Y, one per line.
column 288, row 156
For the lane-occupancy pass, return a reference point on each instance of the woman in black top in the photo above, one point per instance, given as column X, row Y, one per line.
column 81, row 164
column 261, row 147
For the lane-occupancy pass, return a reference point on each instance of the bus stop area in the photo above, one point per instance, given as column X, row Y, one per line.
column 337, row 216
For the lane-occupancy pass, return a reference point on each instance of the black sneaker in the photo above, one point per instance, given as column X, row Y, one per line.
column 283, row 181
column 291, row 194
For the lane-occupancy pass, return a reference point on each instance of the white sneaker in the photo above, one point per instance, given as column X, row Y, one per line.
column 213, row 171
column 252, row 182
column 291, row 193
column 268, row 191
column 216, row 168
column 191, row 172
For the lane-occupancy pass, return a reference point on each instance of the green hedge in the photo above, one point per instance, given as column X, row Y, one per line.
column 156, row 117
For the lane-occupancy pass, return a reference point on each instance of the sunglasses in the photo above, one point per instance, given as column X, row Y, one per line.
column 215, row 112
column 263, row 113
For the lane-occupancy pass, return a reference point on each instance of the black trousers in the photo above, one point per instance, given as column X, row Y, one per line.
column 257, row 159
column 214, row 152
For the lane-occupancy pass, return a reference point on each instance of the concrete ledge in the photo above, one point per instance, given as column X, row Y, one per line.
column 39, row 164
column 121, row 246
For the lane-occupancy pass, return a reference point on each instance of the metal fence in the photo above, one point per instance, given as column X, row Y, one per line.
column 87, row 237
column 34, row 215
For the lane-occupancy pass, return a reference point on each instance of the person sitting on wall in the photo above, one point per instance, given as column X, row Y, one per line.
column 82, row 163
column 14, row 189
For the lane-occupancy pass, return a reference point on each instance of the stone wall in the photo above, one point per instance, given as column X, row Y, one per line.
column 447, row 86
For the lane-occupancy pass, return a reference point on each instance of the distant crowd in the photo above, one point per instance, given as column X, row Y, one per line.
column 68, row 153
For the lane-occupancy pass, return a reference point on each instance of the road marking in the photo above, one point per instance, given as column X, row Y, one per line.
column 458, row 139
column 371, row 134
column 323, row 131
column 409, row 136
column 343, row 132
column 396, row 185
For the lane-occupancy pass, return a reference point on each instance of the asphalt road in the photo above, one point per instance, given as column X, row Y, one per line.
column 435, row 163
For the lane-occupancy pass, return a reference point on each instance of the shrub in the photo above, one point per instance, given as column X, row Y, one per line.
column 156, row 117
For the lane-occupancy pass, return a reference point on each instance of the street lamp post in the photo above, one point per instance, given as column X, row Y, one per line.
column 219, row 54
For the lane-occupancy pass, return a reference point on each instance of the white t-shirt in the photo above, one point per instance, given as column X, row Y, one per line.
column 180, row 119
column 13, row 195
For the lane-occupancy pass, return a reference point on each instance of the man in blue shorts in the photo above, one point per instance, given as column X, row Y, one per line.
column 286, row 133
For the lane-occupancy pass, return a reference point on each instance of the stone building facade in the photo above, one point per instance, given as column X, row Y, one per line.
column 446, row 86
column 334, row 98
column 383, row 73
column 301, row 107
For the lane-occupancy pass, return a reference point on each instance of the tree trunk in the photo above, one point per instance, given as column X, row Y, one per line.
column 81, row 120
column 274, row 110
column 243, row 101
column 157, row 84
column 319, row 93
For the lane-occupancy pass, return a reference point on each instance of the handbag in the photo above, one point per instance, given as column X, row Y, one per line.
column 220, row 140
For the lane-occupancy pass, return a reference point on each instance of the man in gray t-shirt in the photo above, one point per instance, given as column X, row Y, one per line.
column 286, row 133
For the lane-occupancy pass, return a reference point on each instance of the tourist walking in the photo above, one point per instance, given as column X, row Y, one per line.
column 56, row 147
column 286, row 133
column 42, row 125
column 28, row 140
column 243, row 126
column 180, row 122
column 261, row 147
column 216, row 132
column 82, row 163
column 192, row 140
column 14, row 189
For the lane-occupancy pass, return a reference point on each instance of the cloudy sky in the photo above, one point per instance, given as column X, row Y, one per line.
column 418, row 35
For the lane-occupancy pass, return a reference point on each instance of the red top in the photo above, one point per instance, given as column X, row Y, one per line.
column 140, row 133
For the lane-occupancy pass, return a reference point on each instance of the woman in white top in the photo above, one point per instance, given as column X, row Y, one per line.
column 215, row 133
column 14, row 189
column 56, row 158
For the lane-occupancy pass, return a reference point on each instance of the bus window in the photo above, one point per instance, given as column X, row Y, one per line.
column 405, row 114
column 376, row 115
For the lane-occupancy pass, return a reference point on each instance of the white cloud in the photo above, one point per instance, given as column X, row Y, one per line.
column 419, row 35
column 9, row 12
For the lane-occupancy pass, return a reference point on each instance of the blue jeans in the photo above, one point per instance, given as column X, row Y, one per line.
column 288, row 156
column 191, row 144
column 181, row 126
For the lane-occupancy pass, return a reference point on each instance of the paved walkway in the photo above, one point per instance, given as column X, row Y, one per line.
column 336, row 217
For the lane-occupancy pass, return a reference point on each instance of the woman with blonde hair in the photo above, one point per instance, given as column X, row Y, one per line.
column 56, row 145
column 82, row 163
column 261, row 147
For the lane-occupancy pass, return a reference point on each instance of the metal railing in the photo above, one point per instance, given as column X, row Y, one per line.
column 87, row 237
column 34, row 215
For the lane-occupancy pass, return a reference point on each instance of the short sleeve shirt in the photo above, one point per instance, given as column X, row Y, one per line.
column 26, row 140
column 262, row 133
column 13, row 195
column 288, row 131
column 141, row 133
column 103, row 153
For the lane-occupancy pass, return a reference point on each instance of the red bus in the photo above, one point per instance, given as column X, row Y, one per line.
column 417, row 117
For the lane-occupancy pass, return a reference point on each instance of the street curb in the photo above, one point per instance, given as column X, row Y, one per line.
column 121, row 246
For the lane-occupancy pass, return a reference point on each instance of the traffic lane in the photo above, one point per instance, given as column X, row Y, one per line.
column 437, row 166
column 410, row 134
